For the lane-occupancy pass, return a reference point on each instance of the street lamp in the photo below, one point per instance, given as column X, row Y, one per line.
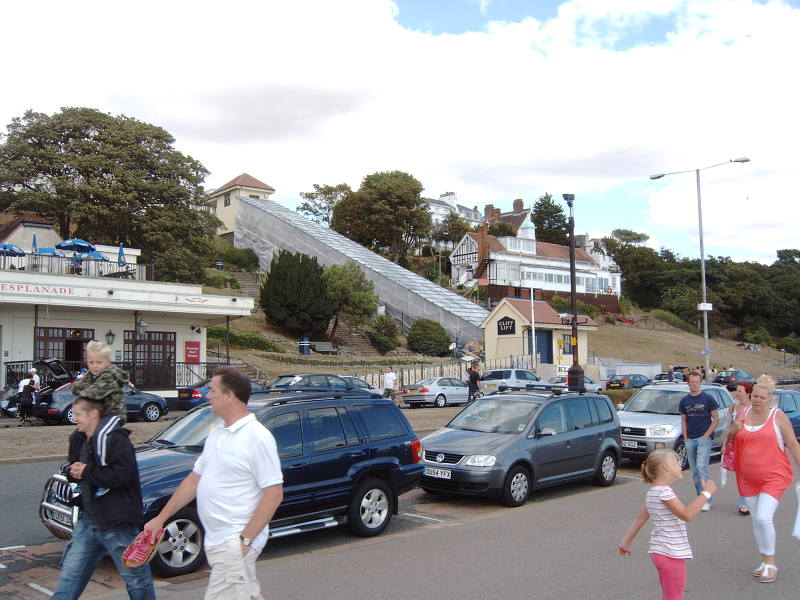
column 704, row 306
column 575, row 372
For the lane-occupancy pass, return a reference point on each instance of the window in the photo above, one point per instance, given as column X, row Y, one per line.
column 337, row 383
column 548, row 277
column 253, row 196
column 552, row 417
column 579, row 412
column 326, row 429
column 287, row 432
column 319, row 381
column 566, row 339
column 381, row 421
column 788, row 404
column 227, row 200
column 603, row 410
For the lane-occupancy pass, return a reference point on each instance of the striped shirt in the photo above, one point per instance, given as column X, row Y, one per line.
column 668, row 536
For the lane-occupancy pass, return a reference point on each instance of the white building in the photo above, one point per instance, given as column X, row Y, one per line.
column 448, row 203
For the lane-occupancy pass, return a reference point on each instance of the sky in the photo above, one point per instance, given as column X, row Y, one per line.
column 491, row 99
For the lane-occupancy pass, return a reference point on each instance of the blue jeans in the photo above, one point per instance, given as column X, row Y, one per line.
column 699, row 451
column 88, row 546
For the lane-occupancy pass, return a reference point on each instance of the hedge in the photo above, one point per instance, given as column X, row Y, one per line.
column 239, row 339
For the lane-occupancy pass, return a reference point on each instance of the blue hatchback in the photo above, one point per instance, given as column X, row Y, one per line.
column 195, row 395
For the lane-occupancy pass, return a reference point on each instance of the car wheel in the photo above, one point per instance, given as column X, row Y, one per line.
column 151, row 412
column 607, row 472
column 370, row 508
column 440, row 401
column 517, row 486
column 683, row 455
column 69, row 416
column 181, row 549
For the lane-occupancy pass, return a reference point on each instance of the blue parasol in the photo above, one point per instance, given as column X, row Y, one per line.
column 34, row 247
column 76, row 245
column 121, row 257
column 91, row 256
column 7, row 249
column 45, row 251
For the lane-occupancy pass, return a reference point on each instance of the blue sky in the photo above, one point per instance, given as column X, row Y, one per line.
column 491, row 99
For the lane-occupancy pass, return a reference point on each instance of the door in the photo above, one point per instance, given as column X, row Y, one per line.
column 286, row 427
column 457, row 391
column 551, row 454
column 544, row 346
column 586, row 443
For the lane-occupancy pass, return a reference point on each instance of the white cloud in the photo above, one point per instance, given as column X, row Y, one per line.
column 313, row 91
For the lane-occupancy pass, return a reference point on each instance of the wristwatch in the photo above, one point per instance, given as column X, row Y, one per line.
column 245, row 541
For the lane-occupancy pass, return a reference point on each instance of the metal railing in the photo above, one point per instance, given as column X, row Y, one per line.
column 68, row 265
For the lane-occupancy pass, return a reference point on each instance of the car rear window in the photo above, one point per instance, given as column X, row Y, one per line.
column 504, row 374
column 381, row 421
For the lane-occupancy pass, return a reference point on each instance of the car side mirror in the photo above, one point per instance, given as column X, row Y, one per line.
column 545, row 431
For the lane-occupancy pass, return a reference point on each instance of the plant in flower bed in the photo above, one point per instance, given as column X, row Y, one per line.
column 239, row 339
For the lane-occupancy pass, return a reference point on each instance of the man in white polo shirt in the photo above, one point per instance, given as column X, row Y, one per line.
column 238, row 485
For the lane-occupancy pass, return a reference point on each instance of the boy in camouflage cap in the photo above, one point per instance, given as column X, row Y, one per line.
column 103, row 381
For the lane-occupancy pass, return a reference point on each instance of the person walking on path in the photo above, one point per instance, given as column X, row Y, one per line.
column 474, row 377
column 761, row 438
column 669, row 545
column 742, row 397
column 389, row 382
column 699, row 419
column 111, row 504
column 238, row 484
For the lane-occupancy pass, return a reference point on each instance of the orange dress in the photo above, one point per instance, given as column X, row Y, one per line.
column 762, row 466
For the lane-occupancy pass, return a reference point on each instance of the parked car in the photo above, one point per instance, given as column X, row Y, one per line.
column 627, row 382
column 344, row 460
column 318, row 382
column 507, row 444
column 516, row 379
column 676, row 376
column 189, row 397
column 588, row 384
column 730, row 378
column 650, row 420
column 8, row 402
column 438, row 391
column 53, row 375
column 789, row 402
column 359, row 383
column 138, row 404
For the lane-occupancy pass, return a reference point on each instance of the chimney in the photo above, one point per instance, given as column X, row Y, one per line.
column 483, row 242
column 519, row 206
column 496, row 216
column 488, row 211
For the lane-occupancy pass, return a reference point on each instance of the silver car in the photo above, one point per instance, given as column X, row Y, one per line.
column 439, row 391
column 512, row 379
column 651, row 420
column 591, row 386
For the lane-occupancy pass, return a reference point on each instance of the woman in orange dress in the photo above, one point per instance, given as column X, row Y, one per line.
column 762, row 436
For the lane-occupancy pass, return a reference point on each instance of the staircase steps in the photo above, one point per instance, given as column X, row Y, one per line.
column 248, row 282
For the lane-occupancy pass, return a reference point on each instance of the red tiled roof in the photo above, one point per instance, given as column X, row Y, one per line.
column 494, row 244
column 561, row 252
column 9, row 228
column 546, row 314
column 245, row 180
column 514, row 219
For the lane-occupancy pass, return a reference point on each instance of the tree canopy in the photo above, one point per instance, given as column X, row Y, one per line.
column 350, row 294
column 550, row 221
column 109, row 179
column 629, row 236
column 499, row 229
column 451, row 229
column 319, row 204
column 386, row 213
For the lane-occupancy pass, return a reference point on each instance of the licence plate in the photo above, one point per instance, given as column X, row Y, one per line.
column 183, row 395
column 630, row 444
column 60, row 517
column 438, row 473
column 411, row 390
column 490, row 386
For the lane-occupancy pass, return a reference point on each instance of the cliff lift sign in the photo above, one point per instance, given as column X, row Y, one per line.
column 506, row 326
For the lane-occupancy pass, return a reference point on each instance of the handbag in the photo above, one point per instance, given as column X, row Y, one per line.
column 729, row 457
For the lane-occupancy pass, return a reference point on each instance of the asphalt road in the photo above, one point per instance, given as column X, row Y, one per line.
column 20, row 493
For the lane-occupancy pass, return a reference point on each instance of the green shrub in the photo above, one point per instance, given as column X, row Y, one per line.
column 427, row 251
column 381, row 343
column 619, row 396
column 563, row 304
column 386, row 326
column 790, row 344
column 610, row 320
column 239, row 339
column 429, row 337
column 674, row 320
column 216, row 280
column 757, row 336
column 625, row 305
column 244, row 258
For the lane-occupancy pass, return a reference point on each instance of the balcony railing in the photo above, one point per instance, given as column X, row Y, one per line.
column 88, row 267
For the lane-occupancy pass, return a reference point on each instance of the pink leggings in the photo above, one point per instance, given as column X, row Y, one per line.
column 672, row 574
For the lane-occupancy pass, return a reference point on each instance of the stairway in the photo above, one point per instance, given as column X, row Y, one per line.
column 248, row 283
column 350, row 341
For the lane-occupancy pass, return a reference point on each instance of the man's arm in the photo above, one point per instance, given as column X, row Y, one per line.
column 714, row 422
column 186, row 492
column 266, row 507
column 683, row 425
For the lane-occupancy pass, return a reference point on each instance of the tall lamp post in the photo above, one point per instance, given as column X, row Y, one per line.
column 704, row 306
column 575, row 372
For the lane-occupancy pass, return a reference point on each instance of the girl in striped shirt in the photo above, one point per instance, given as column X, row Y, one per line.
column 669, row 546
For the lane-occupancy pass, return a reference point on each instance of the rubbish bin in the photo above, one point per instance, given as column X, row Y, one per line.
column 220, row 266
column 305, row 345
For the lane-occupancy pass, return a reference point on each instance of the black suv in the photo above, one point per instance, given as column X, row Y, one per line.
column 319, row 382
column 344, row 460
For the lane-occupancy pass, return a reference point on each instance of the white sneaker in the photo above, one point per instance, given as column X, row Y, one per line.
column 706, row 507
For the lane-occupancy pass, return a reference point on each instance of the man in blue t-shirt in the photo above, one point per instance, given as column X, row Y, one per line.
column 699, row 419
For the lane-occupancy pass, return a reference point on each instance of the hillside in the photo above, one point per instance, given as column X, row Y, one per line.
column 668, row 345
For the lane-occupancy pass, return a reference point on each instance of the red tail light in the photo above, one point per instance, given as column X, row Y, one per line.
column 626, row 382
column 196, row 395
column 423, row 390
column 416, row 451
column 733, row 377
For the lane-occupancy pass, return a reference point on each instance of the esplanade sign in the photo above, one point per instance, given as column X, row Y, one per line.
column 49, row 290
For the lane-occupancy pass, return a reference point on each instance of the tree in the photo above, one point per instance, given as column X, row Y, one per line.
column 500, row 229
column 451, row 229
column 387, row 211
column 320, row 203
column 550, row 221
column 428, row 337
column 293, row 295
column 350, row 294
column 109, row 179
column 629, row 236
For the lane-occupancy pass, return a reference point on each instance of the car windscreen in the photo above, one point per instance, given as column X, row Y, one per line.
column 725, row 374
column 496, row 375
column 495, row 415
column 285, row 380
column 621, row 378
column 192, row 429
column 662, row 402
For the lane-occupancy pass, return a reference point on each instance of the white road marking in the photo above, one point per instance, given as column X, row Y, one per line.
column 12, row 548
column 413, row 516
column 629, row 477
column 41, row 588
